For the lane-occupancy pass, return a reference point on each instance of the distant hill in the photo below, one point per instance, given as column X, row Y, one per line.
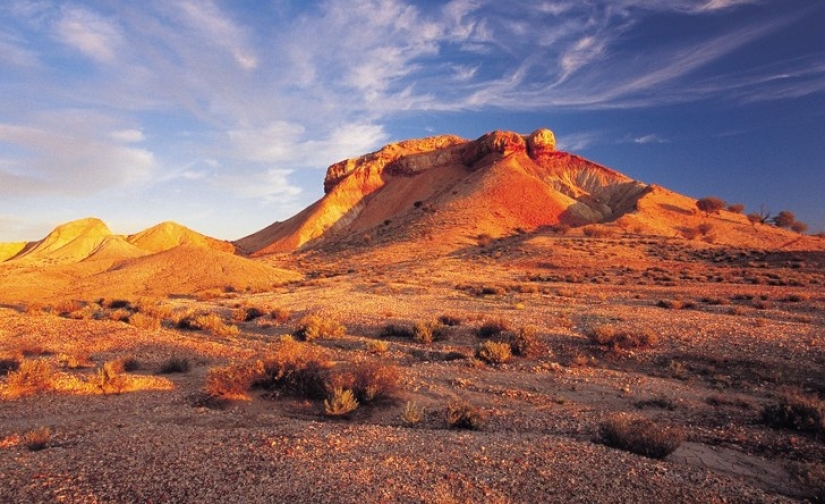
column 448, row 191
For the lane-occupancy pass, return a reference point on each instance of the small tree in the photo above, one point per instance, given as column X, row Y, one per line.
column 710, row 205
column 736, row 208
column 784, row 219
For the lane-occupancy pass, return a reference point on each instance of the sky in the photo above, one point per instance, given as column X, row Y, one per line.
column 224, row 115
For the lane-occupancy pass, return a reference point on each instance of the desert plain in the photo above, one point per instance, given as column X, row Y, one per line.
column 455, row 321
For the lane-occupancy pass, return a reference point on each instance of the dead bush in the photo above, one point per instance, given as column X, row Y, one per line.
column 145, row 321
column 313, row 327
column 374, row 381
column 493, row 328
column 525, row 342
column 175, row 365
column 37, row 439
column 233, row 380
column 493, row 352
column 639, row 435
column 281, row 315
column 32, row 376
column 462, row 415
column 449, row 320
column 427, row 332
column 796, row 412
column 376, row 346
column 396, row 331
column 624, row 339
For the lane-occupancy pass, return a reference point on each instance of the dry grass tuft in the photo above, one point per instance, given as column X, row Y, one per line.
column 376, row 346
column 341, row 403
column 413, row 414
column 639, row 435
column 145, row 321
column 427, row 332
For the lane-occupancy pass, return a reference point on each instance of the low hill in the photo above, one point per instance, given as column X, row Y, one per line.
column 168, row 235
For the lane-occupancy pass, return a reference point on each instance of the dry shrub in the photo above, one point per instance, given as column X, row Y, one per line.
column 493, row 328
column 413, row 414
column 215, row 324
column 145, row 321
column 796, row 412
column 37, row 439
column 8, row 365
column 108, row 378
column 67, row 306
column 234, row 380
column 374, row 381
column 639, row 435
column 126, row 364
column 427, row 332
column 313, row 327
column 493, row 352
column 120, row 315
column 449, row 320
column 73, row 361
column 396, row 331
column 615, row 338
column 674, row 304
column 281, row 315
column 175, row 365
column 340, row 403
column 524, row 342
column 31, row 377
column 247, row 314
column 462, row 415
column 594, row 231
column 296, row 367
column 377, row 346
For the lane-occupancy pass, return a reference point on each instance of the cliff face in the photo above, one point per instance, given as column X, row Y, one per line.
column 500, row 180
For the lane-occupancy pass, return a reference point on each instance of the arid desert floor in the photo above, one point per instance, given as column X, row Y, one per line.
column 711, row 358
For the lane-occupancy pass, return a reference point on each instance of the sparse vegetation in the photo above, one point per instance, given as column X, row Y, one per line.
column 493, row 328
column 37, row 439
column 463, row 415
column 616, row 338
column 376, row 346
column 341, row 403
column 524, row 342
column 427, row 332
column 313, row 327
column 32, row 376
column 493, row 352
column 233, row 380
column 796, row 412
column 710, row 205
column 413, row 414
column 639, row 435
column 175, row 365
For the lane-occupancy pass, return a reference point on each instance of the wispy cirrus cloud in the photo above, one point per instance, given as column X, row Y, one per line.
column 88, row 32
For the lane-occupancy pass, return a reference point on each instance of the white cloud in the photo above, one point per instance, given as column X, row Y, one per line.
column 128, row 135
column 651, row 138
column 576, row 141
column 216, row 27
column 90, row 33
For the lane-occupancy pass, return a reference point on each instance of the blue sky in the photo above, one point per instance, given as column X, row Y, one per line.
column 223, row 115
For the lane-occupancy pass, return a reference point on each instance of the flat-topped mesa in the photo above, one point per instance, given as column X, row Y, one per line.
column 414, row 156
column 407, row 157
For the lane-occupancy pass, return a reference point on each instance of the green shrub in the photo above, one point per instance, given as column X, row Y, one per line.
column 639, row 435
column 796, row 412
column 341, row 403
column 462, row 415
column 493, row 352
column 313, row 327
